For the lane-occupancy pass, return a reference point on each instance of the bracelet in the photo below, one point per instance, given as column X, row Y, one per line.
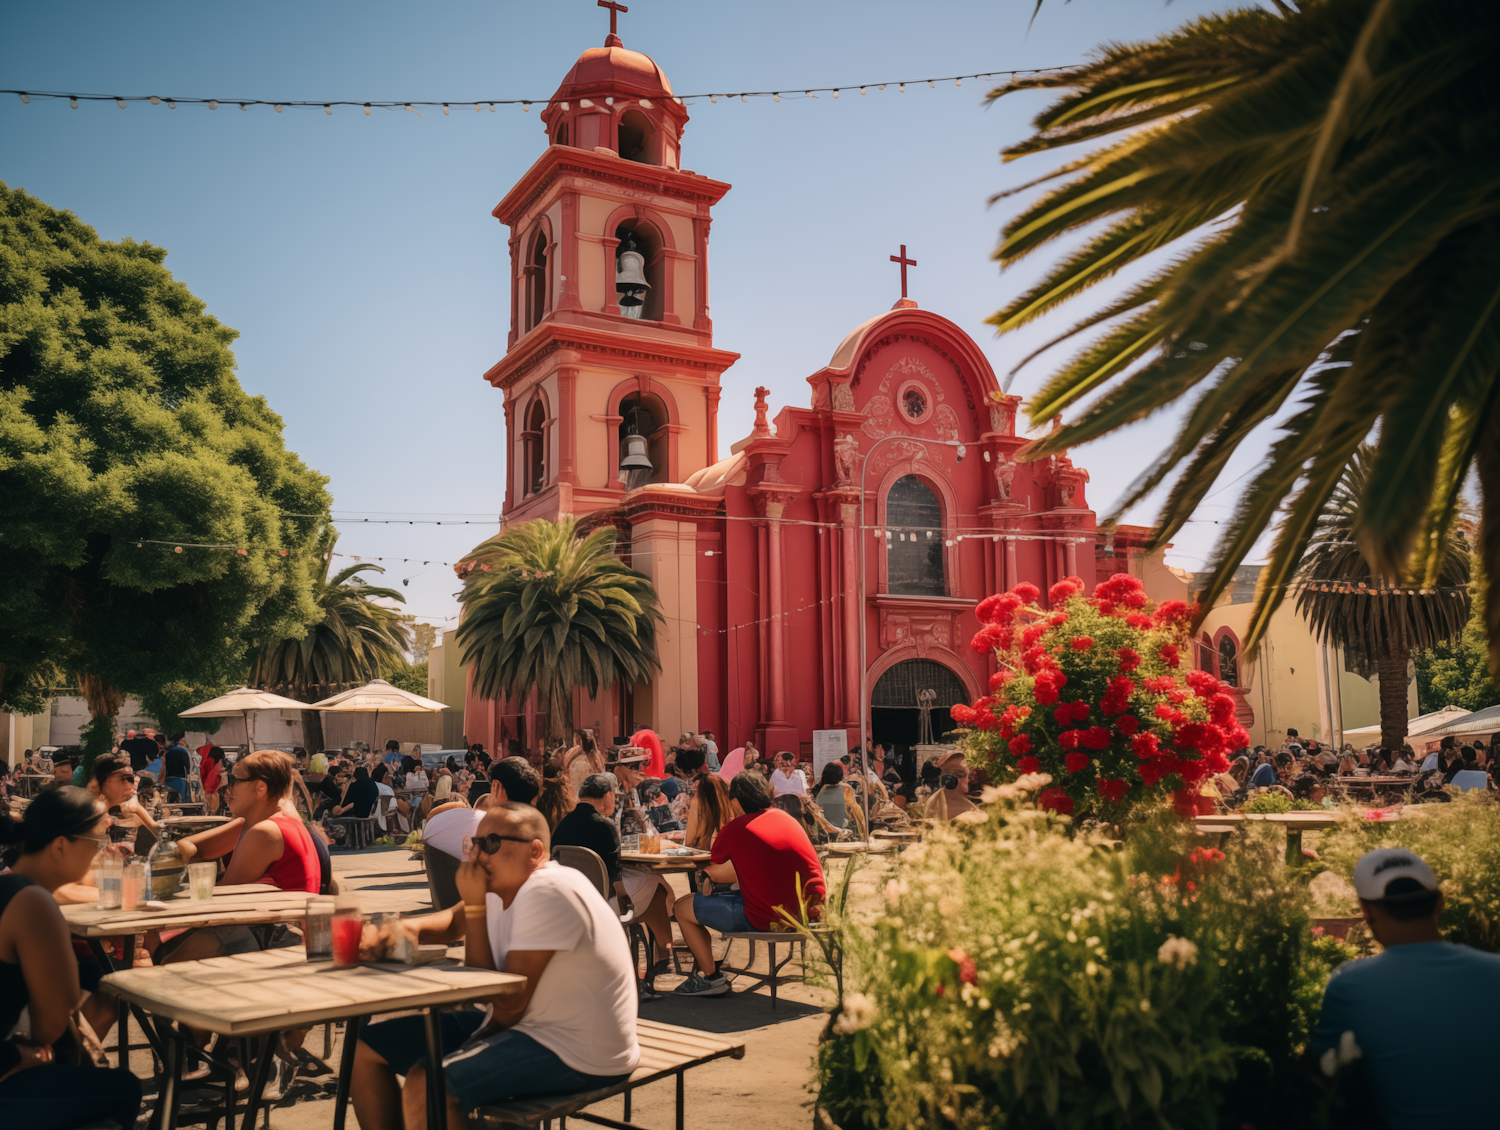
column 474, row 911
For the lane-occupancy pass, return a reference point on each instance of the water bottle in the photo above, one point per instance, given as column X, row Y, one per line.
column 110, row 873
column 166, row 869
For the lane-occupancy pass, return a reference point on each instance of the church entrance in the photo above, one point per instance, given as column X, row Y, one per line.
column 896, row 711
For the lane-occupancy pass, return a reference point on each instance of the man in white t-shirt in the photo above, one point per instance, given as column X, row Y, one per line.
column 570, row 1027
column 787, row 778
column 450, row 824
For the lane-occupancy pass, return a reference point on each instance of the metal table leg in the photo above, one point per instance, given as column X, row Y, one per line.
column 170, row 1097
column 265, row 1055
column 346, row 1070
column 437, row 1093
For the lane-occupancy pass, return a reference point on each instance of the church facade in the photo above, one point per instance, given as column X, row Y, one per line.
column 839, row 549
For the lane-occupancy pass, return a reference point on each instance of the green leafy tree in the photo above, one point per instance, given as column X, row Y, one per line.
column 547, row 610
column 1371, row 616
column 124, row 435
column 423, row 637
column 355, row 640
column 410, row 677
column 1459, row 672
column 1328, row 176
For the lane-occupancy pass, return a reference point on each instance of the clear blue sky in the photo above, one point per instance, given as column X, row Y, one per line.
column 358, row 260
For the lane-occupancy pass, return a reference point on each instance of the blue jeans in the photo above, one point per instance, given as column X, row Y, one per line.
column 724, row 912
column 503, row 1065
column 54, row 1096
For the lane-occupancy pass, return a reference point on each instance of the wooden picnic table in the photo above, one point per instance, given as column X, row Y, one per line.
column 666, row 864
column 859, row 847
column 1295, row 824
column 243, row 904
column 261, row 995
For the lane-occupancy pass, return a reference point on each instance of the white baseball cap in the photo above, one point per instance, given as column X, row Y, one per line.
column 1393, row 875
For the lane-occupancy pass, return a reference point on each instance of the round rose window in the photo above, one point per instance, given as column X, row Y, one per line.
column 914, row 403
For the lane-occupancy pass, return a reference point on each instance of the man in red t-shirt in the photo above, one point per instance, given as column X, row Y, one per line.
column 767, row 852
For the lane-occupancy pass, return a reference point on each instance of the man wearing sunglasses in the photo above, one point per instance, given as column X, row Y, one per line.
column 570, row 1028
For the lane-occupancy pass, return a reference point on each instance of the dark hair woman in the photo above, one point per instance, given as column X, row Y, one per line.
column 708, row 812
column 557, row 798
column 57, row 842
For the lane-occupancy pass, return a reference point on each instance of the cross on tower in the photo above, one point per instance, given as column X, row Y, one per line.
column 614, row 11
column 905, row 262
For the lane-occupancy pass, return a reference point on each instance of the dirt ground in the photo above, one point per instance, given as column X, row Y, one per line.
column 768, row 1088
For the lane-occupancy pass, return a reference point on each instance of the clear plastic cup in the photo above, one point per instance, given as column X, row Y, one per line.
column 347, row 928
column 201, row 880
column 317, row 929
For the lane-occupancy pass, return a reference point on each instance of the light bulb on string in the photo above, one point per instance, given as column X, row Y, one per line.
column 213, row 103
column 492, row 107
column 881, row 86
column 73, row 102
column 26, row 98
column 932, row 84
column 775, row 98
column 903, row 88
column 155, row 101
column 276, row 106
column 243, row 106
column 171, row 105
column 744, row 97
column 120, row 102
column 367, row 109
column 445, row 109
column 525, row 107
column 835, row 92
column 958, row 82
column 327, row 109
column 476, row 107
column 713, row 97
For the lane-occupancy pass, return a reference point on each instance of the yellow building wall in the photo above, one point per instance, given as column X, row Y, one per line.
column 667, row 553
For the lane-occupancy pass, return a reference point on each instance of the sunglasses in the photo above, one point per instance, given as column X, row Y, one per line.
column 99, row 841
column 235, row 779
column 490, row 844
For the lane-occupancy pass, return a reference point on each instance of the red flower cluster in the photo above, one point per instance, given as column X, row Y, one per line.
column 1155, row 728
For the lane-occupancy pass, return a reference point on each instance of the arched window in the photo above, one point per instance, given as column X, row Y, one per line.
column 534, row 448
column 633, row 136
column 535, row 273
column 1229, row 661
column 914, row 539
column 562, row 134
column 1205, row 653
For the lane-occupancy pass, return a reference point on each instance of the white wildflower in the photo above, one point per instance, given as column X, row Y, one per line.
column 894, row 889
column 993, row 793
column 971, row 816
column 1177, row 952
column 1145, row 1005
column 859, row 1012
column 1032, row 782
column 1329, row 1062
column 1349, row 1051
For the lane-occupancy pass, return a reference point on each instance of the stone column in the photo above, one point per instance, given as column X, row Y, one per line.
column 849, row 516
column 777, row 627
column 567, row 424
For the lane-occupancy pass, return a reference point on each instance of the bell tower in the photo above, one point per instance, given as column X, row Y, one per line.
column 610, row 377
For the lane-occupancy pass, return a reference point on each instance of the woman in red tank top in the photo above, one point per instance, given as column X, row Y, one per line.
column 269, row 843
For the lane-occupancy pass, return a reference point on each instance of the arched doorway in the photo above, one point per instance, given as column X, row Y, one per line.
column 895, row 718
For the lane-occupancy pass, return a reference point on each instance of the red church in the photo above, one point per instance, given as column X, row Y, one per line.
column 840, row 545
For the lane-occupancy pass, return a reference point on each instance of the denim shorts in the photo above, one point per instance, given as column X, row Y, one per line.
column 724, row 912
column 503, row 1065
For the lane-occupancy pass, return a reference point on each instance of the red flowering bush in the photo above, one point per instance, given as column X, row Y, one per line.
column 1094, row 693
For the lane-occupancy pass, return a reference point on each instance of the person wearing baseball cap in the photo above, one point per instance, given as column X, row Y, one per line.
column 1422, row 992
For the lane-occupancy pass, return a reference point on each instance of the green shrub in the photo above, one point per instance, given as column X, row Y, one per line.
column 1460, row 842
column 1014, row 974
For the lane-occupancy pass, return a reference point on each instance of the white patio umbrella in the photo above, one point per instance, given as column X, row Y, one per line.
column 242, row 701
column 381, row 697
column 1422, row 724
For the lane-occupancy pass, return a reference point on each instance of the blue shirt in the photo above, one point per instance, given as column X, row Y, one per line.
column 1407, row 1001
column 1265, row 777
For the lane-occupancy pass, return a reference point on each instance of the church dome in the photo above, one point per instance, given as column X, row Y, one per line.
column 614, row 70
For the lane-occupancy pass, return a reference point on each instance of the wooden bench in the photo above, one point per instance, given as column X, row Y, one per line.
column 665, row 1050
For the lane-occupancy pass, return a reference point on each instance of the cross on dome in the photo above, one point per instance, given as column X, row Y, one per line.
column 905, row 262
column 615, row 9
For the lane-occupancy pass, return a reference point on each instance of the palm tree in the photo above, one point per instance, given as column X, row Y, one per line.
column 355, row 641
column 545, row 609
column 1335, row 170
column 1372, row 616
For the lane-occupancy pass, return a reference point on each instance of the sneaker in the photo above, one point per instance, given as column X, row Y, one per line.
column 646, row 992
column 698, row 985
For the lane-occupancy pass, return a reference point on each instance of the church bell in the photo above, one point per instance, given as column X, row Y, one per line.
column 630, row 280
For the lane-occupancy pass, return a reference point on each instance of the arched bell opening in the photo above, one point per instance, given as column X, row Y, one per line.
column 534, row 448
column 634, row 136
column 644, row 441
column 535, row 276
column 638, row 270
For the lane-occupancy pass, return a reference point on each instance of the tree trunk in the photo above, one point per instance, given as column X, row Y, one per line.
column 312, row 731
column 104, row 702
column 1392, row 670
